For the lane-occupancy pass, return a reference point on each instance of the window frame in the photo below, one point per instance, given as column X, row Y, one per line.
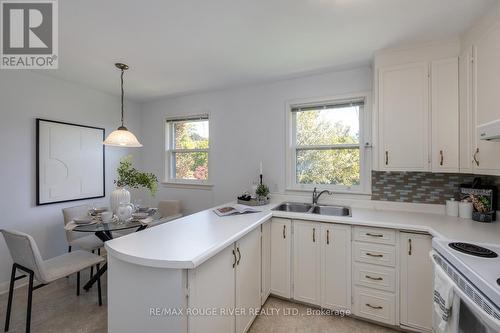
column 170, row 151
column 365, row 135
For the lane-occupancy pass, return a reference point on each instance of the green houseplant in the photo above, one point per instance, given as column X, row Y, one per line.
column 129, row 177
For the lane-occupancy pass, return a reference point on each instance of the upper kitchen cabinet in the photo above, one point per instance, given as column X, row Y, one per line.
column 403, row 117
column 444, row 116
column 417, row 102
column 486, row 67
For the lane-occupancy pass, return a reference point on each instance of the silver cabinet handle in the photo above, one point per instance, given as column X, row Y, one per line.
column 284, row 231
column 314, row 235
column 373, row 278
column 409, row 247
column 234, row 257
column 374, row 255
column 476, row 160
column 374, row 307
column 239, row 255
column 327, row 237
column 442, row 158
column 386, row 157
column 374, row 235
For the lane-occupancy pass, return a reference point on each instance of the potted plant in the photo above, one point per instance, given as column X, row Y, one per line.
column 129, row 177
column 262, row 192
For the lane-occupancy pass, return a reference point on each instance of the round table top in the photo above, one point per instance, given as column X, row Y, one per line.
column 112, row 226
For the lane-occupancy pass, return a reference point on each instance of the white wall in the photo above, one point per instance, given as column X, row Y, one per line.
column 25, row 96
column 247, row 125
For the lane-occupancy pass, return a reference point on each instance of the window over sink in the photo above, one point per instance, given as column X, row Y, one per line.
column 187, row 150
column 328, row 143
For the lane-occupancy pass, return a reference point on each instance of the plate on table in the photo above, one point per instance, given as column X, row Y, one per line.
column 97, row 211
column 140, row 216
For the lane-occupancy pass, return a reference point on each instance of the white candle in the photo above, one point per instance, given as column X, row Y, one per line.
column 261, row 167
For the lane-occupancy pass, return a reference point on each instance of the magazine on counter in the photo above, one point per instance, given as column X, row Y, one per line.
column 234, row 209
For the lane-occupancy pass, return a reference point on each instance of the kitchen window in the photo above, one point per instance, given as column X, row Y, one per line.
column 327, row 145
column 187, row 150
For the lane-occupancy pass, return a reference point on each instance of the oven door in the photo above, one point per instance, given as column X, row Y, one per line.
column 477, row 313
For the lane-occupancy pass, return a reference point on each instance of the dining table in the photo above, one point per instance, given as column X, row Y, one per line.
column 104, row 231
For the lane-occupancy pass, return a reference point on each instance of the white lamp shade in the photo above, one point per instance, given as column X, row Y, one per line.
column 122, row 138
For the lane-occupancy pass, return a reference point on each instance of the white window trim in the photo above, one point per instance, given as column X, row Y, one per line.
column 169, row 181
column 365, row 145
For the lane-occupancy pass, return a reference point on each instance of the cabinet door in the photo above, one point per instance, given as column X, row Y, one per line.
column 416, row 281
column 336, row 266
column 467, row 97
column 445, row 115
column 212, row 285
column 281, row 244
column 266, row 261
column 403, row 118
column 486, row 73
column 307, row 262
column 248, row 277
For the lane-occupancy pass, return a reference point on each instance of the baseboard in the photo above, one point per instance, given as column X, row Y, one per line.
column 4, row 286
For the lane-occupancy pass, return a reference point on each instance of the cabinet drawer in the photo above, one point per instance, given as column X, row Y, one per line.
column 377, row 254
column 375, row 235
column 375, row 305
column 377, row 277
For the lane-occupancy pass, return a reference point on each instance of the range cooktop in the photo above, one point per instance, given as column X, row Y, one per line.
column 479, row 263
column 473, row 249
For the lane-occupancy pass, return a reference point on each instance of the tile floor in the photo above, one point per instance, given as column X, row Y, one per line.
column 56, row 308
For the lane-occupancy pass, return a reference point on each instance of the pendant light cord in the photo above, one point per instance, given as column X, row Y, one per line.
column 122, row 94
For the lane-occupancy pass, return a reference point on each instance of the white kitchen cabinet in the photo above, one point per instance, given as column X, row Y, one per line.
column 403, row 117
column 212, row 285
column 229, row 280
column 416, row 281
column 248, row 278
column 445, row 115
column 281, row 245
column 307, row 262
column 485, row 82
column 336, row 266
column 467, row 98
column 266, row 261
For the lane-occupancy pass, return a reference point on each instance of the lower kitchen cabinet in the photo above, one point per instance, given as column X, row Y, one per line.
column 336, row 266
column 375, row 305
column 322, row 264
column 281, row 247
column 248, row 278
column 416, row 281
column 212, row 285
column 307, row 262
column 229, row 280
column 266, row 261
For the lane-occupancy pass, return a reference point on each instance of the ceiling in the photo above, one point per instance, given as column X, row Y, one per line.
column 181, row 46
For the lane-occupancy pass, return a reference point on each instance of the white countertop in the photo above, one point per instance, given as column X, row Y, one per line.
column 187, row 242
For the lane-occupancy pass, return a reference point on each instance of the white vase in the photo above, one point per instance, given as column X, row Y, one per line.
column 118, row 196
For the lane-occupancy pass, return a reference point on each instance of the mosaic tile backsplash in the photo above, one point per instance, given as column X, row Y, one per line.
column 422, row 187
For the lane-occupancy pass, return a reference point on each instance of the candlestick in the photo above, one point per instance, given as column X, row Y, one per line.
column 261, row 167
column 260, row 179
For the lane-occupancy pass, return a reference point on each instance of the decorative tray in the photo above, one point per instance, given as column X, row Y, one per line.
column 253, row 202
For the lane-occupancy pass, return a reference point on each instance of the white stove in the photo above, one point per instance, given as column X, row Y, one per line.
column 479, row 264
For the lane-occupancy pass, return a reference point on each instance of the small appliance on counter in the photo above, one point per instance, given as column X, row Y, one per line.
column 483, row 198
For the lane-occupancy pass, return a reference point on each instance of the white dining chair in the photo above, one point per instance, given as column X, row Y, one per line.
column 26, row 258
column 77, row 239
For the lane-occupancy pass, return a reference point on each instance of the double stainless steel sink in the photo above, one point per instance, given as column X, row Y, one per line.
column 298, row 207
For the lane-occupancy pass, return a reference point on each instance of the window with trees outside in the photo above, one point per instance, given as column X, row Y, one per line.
column 326, row 145
column 187, row 152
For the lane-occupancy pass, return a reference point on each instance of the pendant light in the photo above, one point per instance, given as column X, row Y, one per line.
column 122, row 137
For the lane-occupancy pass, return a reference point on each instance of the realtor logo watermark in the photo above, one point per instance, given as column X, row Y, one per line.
column 29, row 38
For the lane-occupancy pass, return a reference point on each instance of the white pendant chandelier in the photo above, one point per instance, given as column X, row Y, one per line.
column 122, row 137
